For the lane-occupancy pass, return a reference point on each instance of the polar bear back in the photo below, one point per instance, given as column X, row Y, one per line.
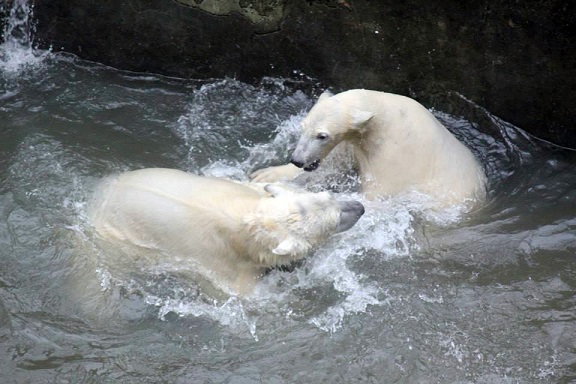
column 164, row 204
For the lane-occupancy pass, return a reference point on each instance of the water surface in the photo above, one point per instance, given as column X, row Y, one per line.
column 406, row 296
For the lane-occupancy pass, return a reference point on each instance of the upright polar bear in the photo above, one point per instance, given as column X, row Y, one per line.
column 223, row 231
column 398, row 145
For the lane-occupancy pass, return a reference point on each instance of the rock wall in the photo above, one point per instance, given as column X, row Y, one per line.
column 516, row 59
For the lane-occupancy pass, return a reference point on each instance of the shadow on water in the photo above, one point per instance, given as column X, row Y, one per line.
column 405, row 296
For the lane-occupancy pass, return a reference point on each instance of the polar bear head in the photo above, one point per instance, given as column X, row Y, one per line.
column 328, row 123
column 289, row 223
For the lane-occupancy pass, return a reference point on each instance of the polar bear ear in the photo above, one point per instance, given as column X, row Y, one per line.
column 359, row 117
column 286, row 247
column 325, row 95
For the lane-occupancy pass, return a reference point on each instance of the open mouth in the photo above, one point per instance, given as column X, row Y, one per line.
column 312, row 166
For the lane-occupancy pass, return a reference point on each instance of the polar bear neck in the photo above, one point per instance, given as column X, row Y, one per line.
column 401, row 130
column 285, row 221
column 262, row 236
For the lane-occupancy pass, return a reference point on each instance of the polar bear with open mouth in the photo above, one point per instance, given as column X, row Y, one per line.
column 397, row 145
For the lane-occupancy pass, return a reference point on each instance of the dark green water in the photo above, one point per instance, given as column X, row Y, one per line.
column 406, row 296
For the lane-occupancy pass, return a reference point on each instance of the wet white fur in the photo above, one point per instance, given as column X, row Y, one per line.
column 398, row 146
column 225, row 231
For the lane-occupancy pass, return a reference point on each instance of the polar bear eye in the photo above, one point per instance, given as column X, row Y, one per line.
column 322, row 136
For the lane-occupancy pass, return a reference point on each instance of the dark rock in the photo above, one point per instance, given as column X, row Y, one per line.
column 264, row 15
column 514, row 58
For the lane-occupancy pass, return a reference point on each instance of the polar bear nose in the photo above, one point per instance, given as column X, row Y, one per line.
column 350, row 213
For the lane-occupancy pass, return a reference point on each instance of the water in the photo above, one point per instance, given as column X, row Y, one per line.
column 18, row 50
column 405, row 296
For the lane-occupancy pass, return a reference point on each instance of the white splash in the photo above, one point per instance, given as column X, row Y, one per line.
column 17, row 52
column 287, row 134
column 231, row 313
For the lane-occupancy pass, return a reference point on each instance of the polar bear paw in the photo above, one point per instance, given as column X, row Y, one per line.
column 286, row 172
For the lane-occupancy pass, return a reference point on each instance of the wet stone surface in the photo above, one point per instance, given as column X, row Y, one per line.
column 515, row 59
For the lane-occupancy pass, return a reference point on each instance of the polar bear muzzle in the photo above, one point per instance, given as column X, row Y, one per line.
column 308, row 168
column 350, row 213
column 308, row 154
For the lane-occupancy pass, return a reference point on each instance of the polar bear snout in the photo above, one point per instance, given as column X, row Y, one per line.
column 297, row 163
column 309, row 168
column 350, row 212
column 306, row 155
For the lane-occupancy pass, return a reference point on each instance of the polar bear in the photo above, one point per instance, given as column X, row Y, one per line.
column 225, row 232
column 397, row 145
